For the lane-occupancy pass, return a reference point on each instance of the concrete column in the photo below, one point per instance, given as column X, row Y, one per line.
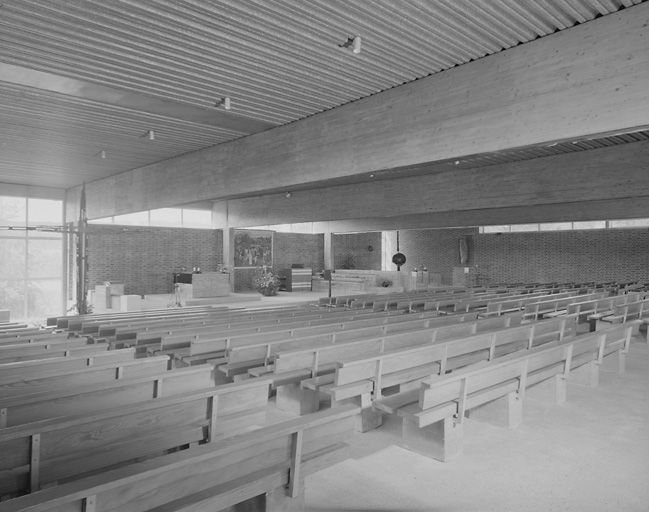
column 228, row 253
column 328, row 250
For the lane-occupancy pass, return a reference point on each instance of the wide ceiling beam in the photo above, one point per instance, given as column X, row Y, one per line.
column 611, row 173
column 588, row 79
column 635, row 207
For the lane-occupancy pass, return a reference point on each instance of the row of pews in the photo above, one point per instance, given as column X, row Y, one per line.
column 114, row 431
column 187, row 409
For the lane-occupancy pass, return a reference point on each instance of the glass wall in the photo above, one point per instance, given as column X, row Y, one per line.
column 31, row 257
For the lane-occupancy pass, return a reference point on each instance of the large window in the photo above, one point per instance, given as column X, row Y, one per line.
column 31, row 257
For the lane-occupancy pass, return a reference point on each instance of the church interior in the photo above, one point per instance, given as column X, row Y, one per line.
column 324, row 256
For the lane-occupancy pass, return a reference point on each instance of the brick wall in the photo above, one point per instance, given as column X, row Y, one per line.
column 302, row 248
column 436, row 249
column 144, row 258
column 606, row 255
column 351, row 250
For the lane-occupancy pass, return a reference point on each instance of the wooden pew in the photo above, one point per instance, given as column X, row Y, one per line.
column 11, row 372
column 355, row 330
column 26, row 408
column 231, row 327
column 24, row 385
column 584, row 309
column 202, row 348
column 536, row 310
column 498, row 307
column 300, row 376
column 48, row 451
column 621, row 313
column 49, row 349
column 40, row 336
column 433, row 422
column 366, row 377
column 268, row 465
column 73, row 322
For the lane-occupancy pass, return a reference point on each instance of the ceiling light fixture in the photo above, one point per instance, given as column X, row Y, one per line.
column 224, row 102
column 354, row 43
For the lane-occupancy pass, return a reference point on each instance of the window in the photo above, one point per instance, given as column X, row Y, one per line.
column 166, row 217
column 520, row 228
column 629, row 223
column 132, row 219
column 197, row 218
column 589, row 224
column 494, row 229
column 31, row 260
column 555, row 226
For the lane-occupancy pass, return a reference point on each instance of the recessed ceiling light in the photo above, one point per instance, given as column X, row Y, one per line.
column 354, row 43
column 223, row 102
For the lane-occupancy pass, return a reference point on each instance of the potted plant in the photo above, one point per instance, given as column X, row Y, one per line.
column 266, row 282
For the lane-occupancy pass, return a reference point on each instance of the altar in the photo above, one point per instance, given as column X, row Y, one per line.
column 203, row 285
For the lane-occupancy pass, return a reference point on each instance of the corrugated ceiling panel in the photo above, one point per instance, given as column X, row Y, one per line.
column 278, row 61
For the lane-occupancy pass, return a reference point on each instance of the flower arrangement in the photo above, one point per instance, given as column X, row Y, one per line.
column 266, row 282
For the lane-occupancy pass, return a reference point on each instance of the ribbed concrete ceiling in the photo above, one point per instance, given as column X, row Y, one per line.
column 82, row 77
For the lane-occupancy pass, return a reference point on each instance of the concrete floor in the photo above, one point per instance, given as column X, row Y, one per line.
column 590, row 454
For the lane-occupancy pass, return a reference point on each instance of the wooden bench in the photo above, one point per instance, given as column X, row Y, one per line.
column 246, row 351
column 506, row 305
column 54, row 450
column 300, row 376
column 25, row 408
column 367, row 377
column 24, row 384
column 433, row 419
column 355, row 330
column 621, row 313
column 584, row 309
column 10, row 372
column 536, row 310
column 266, row 467
column 49, row 349
column 73, row 322
column 34, row 338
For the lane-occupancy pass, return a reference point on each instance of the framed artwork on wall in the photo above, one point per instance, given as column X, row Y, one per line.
column 253, row 248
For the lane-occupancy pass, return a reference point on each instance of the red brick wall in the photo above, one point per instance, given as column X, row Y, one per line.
column 144, row 258
column 606, row 255
column 351, row 250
